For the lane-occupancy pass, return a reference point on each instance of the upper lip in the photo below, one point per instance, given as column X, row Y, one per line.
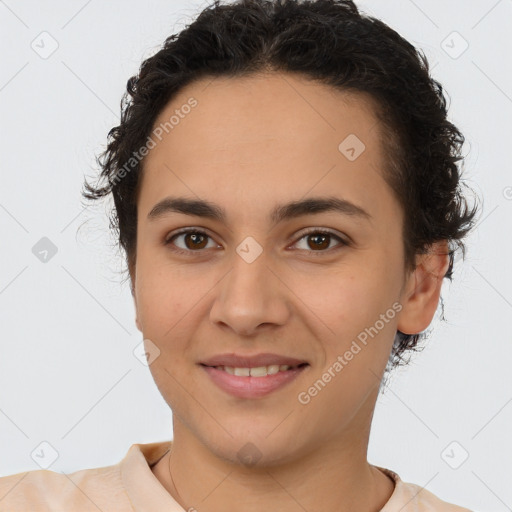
column 240, row 361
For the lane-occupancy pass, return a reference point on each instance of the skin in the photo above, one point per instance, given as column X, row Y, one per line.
column 250, row 144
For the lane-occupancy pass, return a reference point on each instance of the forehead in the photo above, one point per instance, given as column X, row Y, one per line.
column 265, row 134
column 273, row 107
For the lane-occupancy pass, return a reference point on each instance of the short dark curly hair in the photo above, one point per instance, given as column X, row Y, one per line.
column 328, row 41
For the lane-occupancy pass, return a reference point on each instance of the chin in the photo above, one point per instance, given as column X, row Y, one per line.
column 255, row 450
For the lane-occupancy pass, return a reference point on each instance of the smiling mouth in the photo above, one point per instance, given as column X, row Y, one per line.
column 253, row 382
column 259, row 371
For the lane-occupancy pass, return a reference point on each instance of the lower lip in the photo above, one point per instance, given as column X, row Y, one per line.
column 251, row 387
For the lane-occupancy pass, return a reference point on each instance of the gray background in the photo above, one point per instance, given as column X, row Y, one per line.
column 68, row 374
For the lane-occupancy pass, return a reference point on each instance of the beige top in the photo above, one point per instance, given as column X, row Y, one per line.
column 131, row 486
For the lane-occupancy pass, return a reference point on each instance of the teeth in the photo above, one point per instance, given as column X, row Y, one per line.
column 260, row 371
column 241, row 372
column 273, row 369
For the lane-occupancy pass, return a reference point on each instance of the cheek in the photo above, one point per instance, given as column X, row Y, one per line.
column 172, row 301
column 161, row 300
column 360, row 312
column 348, row 302
column 165, row 290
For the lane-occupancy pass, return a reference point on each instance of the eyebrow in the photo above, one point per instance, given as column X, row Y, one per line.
column 291, row 210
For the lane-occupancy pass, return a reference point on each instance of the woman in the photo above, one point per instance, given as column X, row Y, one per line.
column 288, row 198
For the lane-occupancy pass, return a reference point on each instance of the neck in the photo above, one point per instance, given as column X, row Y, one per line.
column 310, row 485
column 334, row 476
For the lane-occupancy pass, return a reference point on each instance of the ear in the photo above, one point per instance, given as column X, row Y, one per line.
column 422, row 289
column 132, row 289
column 137, row 321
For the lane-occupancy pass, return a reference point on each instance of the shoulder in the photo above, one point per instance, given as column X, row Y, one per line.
column 44, row 490
column 109, row 488
column 427, row 501
column 408, row 497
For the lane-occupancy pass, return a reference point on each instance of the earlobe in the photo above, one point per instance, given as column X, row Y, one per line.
column 132, row 289
column 421, row 296
column 137, row 321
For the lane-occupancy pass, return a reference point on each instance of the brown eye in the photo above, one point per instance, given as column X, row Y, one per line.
column 193, row 240
column 319, row 241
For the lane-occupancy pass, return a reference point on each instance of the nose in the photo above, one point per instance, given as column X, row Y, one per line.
column 251, row 297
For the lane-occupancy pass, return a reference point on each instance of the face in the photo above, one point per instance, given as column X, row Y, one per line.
column 310, row 285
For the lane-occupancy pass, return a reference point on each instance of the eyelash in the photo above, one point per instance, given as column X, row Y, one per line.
column 168, row 241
